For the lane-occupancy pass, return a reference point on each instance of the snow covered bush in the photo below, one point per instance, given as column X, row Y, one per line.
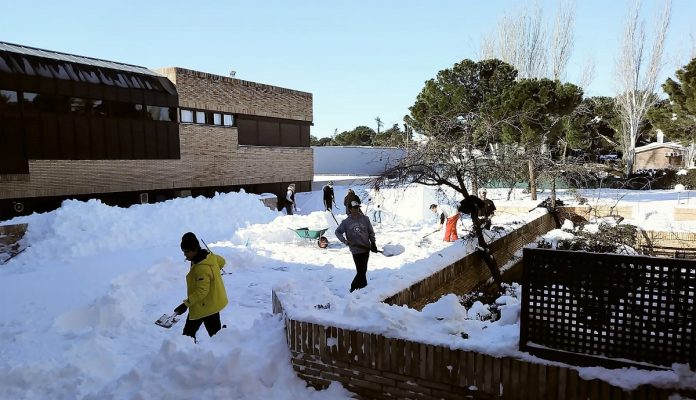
column 493, row 306
column 596, row 238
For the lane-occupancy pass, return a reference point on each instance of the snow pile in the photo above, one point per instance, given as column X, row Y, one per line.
column 82, row 299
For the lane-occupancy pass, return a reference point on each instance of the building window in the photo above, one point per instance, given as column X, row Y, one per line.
column 8, row 99
column 217, row 119
column 200, row 117
column 228, row 120
column 157, row 113
column 186, row 116
column 28, row 99
column 121, row 109
column 86, row 106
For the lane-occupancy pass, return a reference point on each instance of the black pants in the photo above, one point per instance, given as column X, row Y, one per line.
column 327, row 204
column 360, row 280
column 212, row 325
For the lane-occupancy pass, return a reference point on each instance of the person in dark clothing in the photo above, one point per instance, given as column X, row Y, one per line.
column 206, row 295
column 360, row 238
column 479, row 209
column 329, row 197
column 350, row 197
column 488, row 210
column 290, row 200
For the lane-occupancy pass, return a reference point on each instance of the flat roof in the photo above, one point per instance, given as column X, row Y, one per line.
column 55, row 55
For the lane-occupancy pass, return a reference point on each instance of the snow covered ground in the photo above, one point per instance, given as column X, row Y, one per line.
column 80, row 302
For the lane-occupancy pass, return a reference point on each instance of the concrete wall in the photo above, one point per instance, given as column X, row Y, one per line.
column 354, row 160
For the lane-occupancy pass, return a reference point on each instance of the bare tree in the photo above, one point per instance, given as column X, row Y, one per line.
column 588, row 73
column 562, row 39
column 637, row 69
column 380, row 124
column 452, row 157
column 520, row 41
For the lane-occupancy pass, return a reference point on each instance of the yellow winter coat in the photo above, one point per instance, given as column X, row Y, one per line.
column 205, row 288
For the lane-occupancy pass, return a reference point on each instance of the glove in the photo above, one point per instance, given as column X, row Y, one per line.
column 373, row 247
column 181, row 309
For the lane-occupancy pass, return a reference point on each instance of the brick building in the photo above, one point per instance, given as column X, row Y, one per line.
column 659, row 156
column 79, row 127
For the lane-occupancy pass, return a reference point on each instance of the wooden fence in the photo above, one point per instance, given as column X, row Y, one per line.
column 378, row 367
column 603, row 309
column 10, row 245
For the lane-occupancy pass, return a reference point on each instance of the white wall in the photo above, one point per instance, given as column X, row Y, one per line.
column 354, row 160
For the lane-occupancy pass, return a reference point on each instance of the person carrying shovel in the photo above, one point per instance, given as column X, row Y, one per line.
column 447, row 217
column 360, row 238
column 204, row 286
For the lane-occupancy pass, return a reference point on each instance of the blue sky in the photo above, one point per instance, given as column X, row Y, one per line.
column 360, row 59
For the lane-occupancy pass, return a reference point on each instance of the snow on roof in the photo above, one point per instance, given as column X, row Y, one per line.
column 657, row 145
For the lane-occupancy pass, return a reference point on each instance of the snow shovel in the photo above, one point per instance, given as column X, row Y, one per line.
column 387, row 254
column 423, row 239
column 436, row 230
column 167, row 321
column 334, row 217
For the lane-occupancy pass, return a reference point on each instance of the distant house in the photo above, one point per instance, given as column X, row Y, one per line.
column 660, row 156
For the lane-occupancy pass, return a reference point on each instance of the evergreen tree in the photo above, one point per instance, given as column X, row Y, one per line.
column 325, row 141
column 594, row 125
column 461, row 93
column 677, row 116
column 393, row 136
column 360, row 136
column 543, row 108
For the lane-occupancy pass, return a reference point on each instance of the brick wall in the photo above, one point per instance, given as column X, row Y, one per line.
column 656, row 158
column 684, row 213
column 220, row 93
column 470, row 272
column 210, row 156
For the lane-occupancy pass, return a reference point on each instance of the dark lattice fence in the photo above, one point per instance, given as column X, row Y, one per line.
column 604, row 309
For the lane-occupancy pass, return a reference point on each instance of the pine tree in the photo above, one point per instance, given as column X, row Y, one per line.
column 676, row 117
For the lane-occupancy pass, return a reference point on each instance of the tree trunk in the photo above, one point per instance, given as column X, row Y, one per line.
column 690, row 153
column 510, row 191
column 532, row 181
column 474, row 180
column 485, row 251
column 553, row 192
column 630, row 159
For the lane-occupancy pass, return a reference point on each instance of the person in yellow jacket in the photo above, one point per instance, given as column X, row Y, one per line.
column 204, row 288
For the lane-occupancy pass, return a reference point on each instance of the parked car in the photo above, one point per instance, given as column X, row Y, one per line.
column 608, row 157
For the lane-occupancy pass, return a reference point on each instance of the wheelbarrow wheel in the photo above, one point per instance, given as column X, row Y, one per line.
column 323, row 242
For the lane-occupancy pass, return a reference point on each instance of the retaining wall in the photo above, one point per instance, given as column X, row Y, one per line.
column 374, row 366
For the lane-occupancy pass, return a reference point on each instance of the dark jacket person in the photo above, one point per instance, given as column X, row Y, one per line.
column 360, row 238
column 329, row 197
column 350, row 197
